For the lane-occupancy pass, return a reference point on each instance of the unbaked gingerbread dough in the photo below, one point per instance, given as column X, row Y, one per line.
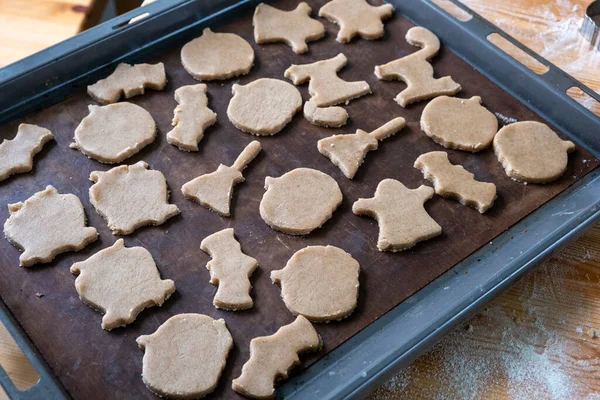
column 356, row 17
column 16, row 155
column 327, row 117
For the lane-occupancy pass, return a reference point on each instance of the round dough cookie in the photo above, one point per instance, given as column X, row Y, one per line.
column 112, row 133
column 264, row 106
column 299, row 201
column 531, row 152
column 319, row 283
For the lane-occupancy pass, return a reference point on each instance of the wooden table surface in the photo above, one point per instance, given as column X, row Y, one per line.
column 537, row 340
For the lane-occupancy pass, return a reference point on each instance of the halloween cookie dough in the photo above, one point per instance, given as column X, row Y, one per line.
column 356, row 17
column 16, row 155
column 327, row 117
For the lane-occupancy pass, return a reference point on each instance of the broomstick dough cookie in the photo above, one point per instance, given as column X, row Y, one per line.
column 46, row 225
column 128, row 80
column 294, row 27
column 215, row 56
column 272, row 357
column 356, row 17
column 299, row 201
column 264, row 106
column 120, row 282
column 185, row 357
column 112, row 133
column 455, row 182
column 192, row 117
column 531, row 152
column 416, row 71
column 16, row 155
column 319, row 283
column 327, row 117
column 131, row 196
column 400, row 214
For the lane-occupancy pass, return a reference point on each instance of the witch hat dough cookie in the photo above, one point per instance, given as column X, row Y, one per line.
column 185, row 357
column 16, row 155
column 120, row 282
column 46, row 225
column 214, row 190
column 399, row 211
column 319, row 283
column 356, row 17
column 416, row 71
column 271, row 358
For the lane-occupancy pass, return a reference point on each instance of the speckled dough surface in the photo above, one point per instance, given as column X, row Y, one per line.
column 16, row 155
column 357, row 17
column 327, row 117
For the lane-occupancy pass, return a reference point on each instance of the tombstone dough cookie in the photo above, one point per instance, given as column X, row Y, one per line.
column 46, row 225
column 128, row 81
column 16, row 155
column 112, row 133
column 272, row 357
column 531, row 152
column 416, row 71
column 214, row 56
column 294, row 27
column 399, row 211
column 264, row 106
column 185, row 357
column 319, row 283
column 191, row 117
column 299, row 201
column 120, row 282
column 459, row 123
column 356, row 17
column 327, row 117
column 131, row 196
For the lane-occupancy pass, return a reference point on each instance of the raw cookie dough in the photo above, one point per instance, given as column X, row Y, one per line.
column 120, row 282
column 230, row 270
column 416, row 71
column 531, row 152
column 264, row 106
column 185, row 357
column 348, row 151
column 319, row 283
column 455, row 182
column 46, row 225
column 459, row 123
column 327, row 117
column 112, row 133
column 214, row 190
column 191, row 117
column 128, row 80
column 131, row 196
column 294, row 27
column 400, row 214
column 299, row 201
column 216, row 56
column 356, row 17
column 272, row 357
column 16, row 155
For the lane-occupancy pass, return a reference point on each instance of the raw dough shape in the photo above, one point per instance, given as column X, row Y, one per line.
column 131, row 196
column 217, row 56
column 191, row 117
column 319, row 283
column 46, row 225
column 185, row 357
column 327, row 117
column 128, row 81
column 230, row 270
column 121, row 282
column 531, row 152
column 272, row 357
column 263, row 107
column 294, row 27
column 416, row 71
column 214, row 190
column 16, row 155
column 459, row 123
column 357, row 17
column 299, row 201
column 400, row 214
column 348, row 152
column 455, row 182
column 112, row 133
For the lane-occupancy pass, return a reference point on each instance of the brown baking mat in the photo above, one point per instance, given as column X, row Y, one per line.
column 92, row 363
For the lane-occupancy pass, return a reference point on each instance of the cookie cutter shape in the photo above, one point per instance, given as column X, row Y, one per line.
column 327, row 117
column 357, row 17
column 16, row 155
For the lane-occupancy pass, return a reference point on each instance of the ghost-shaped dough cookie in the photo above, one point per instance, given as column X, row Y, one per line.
column 16, row 155
column 356, row 17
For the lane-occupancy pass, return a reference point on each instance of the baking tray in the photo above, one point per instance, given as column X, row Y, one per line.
column 91, row 363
